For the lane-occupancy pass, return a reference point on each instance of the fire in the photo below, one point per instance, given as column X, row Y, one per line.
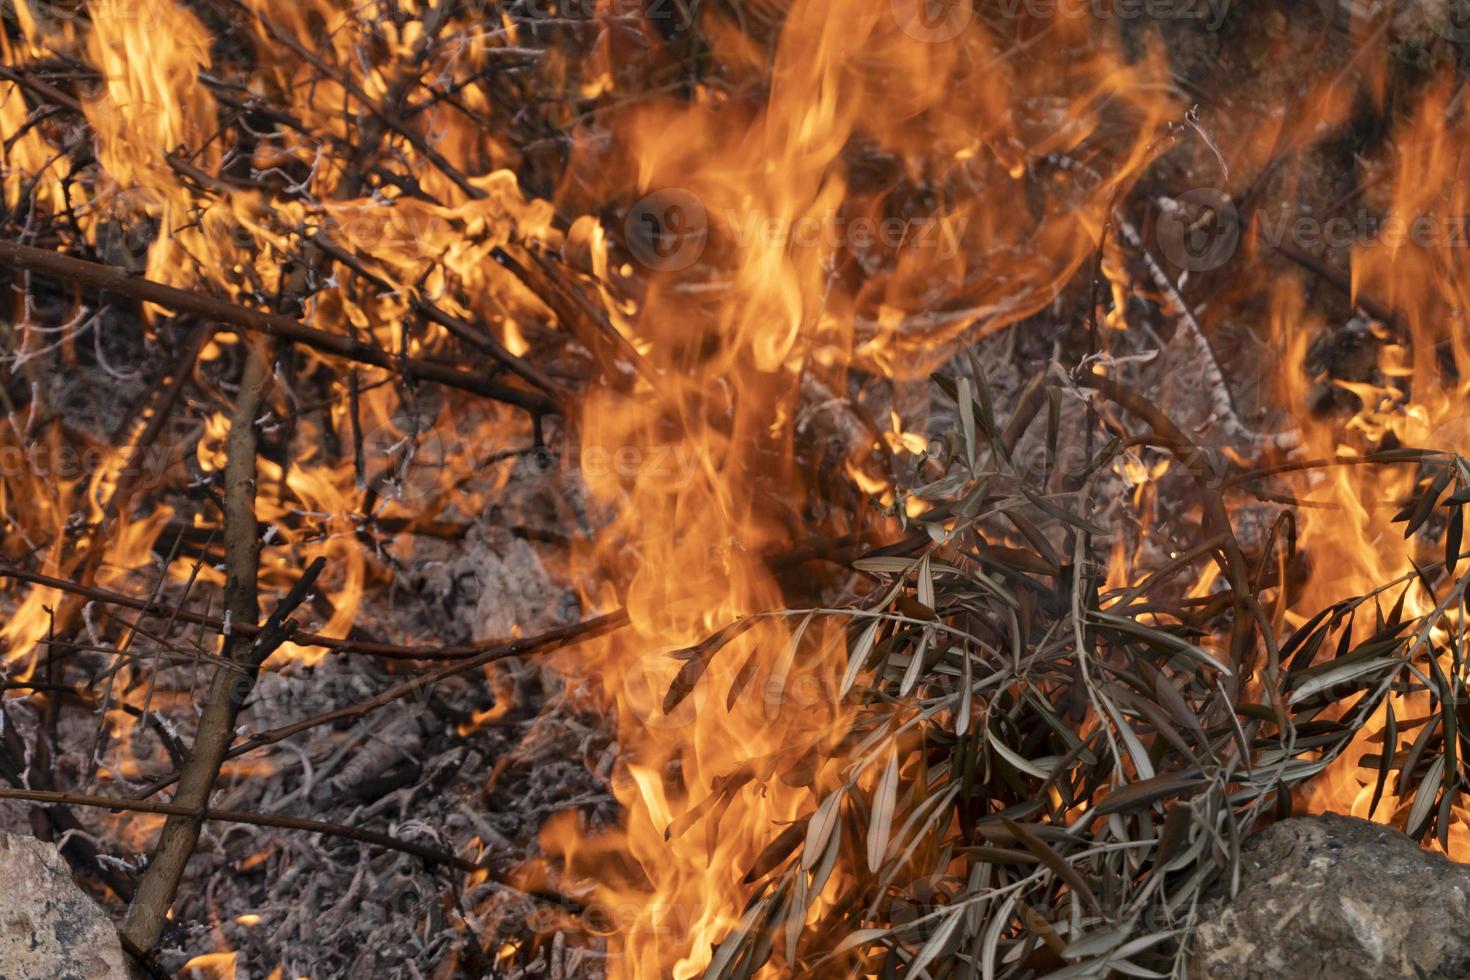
column 212, row 966
column 764, row 195
column 1416, row 397
column 762, row 268
column 823, row 271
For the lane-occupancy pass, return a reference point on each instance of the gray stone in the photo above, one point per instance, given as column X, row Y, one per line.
column 48, row 926
column 1337, row 898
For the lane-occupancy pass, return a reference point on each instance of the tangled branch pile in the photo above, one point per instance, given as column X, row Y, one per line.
column 361, row 357
column 1046, row 775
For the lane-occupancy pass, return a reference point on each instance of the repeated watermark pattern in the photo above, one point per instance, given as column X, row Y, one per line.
column 1201, row 229
column 941, row 21
column 669, row 230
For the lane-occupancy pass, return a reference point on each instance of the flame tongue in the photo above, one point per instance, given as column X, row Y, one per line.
column 744, row 754
column 1409, row 391
column 846, row 206
column 700, row 799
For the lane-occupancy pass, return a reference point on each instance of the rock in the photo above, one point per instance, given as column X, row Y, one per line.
column 48, row 926
column 1337, row 898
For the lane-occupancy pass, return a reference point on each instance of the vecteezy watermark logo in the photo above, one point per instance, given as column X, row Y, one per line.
column 409, row 455
column 942, row 235
column 1198, row 230
column 660, row 12
column 645, row 687
column 125, row 243
column 1451, row 435
column 1211, row 12
column 937, row 21
column 667, row 230
column 932, row 21
column 1425, row 230
column 663, row 693
column 1453, row 24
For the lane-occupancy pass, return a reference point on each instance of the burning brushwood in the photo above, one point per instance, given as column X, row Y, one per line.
column 738, row 490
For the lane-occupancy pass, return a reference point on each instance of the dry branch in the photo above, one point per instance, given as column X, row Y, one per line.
column 98, row 276
column 1375, row 308
column 228, row 689
column 385, row 116
column 555, row 639
column 431, row 854
column 1234, row 565
column 388, row 651
column 77, row 846
column 580, row 318
column 117, row 503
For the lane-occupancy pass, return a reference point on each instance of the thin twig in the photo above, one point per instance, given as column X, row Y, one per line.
column 146, row 915
column 382, row 114
column 1375, row 308
column 99, row 276
column 431, row 854
column 1217, row 518
column 388, row 651
column 555, row 639
column 584, row 321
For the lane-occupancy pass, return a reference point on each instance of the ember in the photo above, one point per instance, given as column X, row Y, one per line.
column 645, row 489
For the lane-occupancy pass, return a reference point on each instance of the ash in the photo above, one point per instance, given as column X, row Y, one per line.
column 473, row 765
